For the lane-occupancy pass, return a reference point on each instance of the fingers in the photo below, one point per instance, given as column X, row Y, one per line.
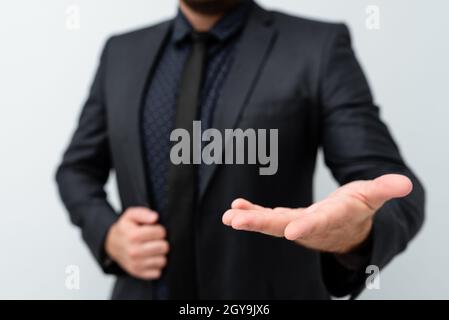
column 338, row 211
column 150, row 268
column 156, row 262
column 248, row 216
column 136, row 242
column 376, row 192
column 149, row 233
column 245, row 204
column 147, row 260
column 240, row 204
column 265, row 221
column 150, row 274
column 307, row 225
column 140, row 215
column 339, row 216
column 154, row 248
column 228, row 216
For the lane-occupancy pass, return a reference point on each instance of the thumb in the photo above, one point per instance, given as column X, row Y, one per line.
column 141, row 215
column 386, row 187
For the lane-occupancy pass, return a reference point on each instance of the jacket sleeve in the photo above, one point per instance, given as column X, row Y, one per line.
column 84, row 170
column 357, row 145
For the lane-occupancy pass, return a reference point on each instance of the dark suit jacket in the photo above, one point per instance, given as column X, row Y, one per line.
column 297, row 75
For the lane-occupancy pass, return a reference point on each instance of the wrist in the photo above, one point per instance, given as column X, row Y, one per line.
column 109, row 242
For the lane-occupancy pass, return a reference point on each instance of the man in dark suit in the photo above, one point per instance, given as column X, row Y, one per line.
column 219, row 231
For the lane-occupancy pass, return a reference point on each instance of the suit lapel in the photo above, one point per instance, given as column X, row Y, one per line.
column 136, row 76
column 253, row 47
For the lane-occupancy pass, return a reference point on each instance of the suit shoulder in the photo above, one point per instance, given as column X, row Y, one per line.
column 137, row 35
column 311, row 29
column 288, row 20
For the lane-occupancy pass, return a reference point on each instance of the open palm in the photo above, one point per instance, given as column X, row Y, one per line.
column 336, row 224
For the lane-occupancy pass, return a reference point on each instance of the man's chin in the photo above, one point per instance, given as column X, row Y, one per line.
column 211, row 6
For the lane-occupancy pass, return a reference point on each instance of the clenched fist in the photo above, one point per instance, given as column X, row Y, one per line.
column 336, row 224
column 137, row 243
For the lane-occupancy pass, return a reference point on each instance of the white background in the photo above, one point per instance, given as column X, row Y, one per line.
column 45, row 72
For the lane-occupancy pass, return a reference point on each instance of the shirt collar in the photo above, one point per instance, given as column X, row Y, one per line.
column 229, row 25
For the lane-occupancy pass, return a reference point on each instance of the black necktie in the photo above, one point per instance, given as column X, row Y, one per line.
column 182, row 181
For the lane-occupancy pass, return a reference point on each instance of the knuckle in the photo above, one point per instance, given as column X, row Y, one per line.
column 157, row 274
column 165, row 247
column 133, row 253
column 161, row 232
column 133, row 237
column 159, row 262
column 146, row 276
column 128, row 212
column 151, row 275
column 120, row 227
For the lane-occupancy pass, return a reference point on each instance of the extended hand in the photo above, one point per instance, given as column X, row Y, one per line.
column 336, row 224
